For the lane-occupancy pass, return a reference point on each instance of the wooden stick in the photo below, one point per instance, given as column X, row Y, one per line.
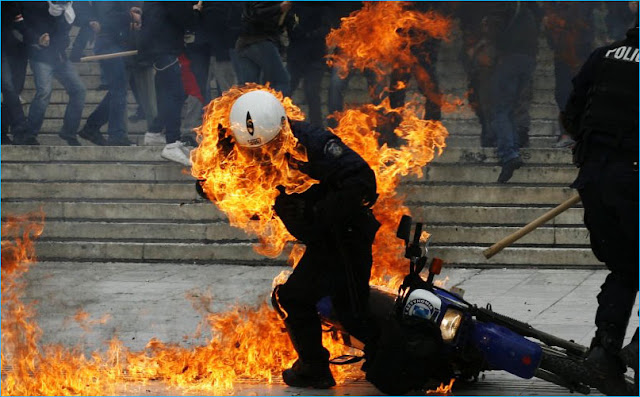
column 510, row 239
column 109, row 56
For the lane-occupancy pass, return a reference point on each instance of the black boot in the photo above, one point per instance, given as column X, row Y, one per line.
column 604, row 363
column 316, row 375
column 507, row 169
column 312, row 367
column 629, row 355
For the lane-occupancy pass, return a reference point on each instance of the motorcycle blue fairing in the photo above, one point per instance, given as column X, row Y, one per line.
column 506, row 350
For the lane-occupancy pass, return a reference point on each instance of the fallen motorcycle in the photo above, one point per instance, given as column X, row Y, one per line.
column 430, row 335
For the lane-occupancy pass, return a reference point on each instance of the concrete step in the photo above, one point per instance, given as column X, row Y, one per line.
column 137, row 130
column 183, row 191
column 141, row 231
column 510, row 194
column 471, row 256
column 451, row 154
column 202, row 211
column 141, row 154
column 178, row 252
column 163, row 171
column 243, row 253
column 221, row 232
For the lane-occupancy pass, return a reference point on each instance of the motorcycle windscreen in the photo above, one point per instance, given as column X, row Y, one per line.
column 506, row 350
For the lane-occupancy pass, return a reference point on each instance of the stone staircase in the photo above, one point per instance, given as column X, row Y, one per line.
column 126, row 204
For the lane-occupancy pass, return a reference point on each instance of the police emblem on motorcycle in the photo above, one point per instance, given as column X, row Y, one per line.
column 423, row 304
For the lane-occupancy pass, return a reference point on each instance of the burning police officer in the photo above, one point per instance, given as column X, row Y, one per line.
column 602, row 116
column 332, row 218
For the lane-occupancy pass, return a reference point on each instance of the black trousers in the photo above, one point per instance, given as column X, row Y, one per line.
column 608, row 187
column 339, row 267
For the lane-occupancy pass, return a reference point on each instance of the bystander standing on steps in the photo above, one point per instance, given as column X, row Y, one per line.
column 116, row 21
column 14, row 69
column 602, row 116
column 46, row 31
column 162, row 40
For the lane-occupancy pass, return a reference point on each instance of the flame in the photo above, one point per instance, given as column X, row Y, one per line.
column 232, row 176
column 442, row 390
column 380, row 35
column 246, row 343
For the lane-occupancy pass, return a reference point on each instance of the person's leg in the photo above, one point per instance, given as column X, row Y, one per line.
column 67, row 75
column 85, row 34
column 170, row 102
column 12, row 107
column 224, row 74
column 295, row 301
column 145, row 85
column 612, row 192
column 337, row 86
column 312, row 84
column 265, row 54
column 200, row 66
column 247, row 70
column 18, row 64
column 117, row 82
column 43, row 78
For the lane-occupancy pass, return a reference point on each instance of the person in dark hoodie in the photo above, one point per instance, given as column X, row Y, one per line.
column 46, row 33
column 14, row 69
column 259, row 44
column 164, row 25
column 116, row 19
column 602, row 116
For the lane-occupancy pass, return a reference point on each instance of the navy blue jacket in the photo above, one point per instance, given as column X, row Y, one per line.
column 38, row 21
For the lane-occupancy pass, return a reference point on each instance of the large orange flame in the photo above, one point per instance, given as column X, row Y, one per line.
column 380, row 36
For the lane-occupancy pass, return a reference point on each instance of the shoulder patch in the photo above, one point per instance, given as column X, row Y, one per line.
column 333, row 148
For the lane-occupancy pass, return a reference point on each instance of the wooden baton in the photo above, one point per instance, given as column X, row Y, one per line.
column 526, row 229
column 109, row 56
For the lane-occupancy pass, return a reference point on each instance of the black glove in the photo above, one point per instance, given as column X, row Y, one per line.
column 294, row 212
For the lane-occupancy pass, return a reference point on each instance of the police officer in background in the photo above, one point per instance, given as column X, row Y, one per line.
column 602, row 116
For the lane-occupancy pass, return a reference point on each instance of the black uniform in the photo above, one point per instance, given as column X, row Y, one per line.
column 602, row 115
column 335, row 222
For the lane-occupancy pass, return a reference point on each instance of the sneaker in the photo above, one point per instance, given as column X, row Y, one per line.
column 507, row 169
column 317, row 376
column 121, row 141
column 154, row 139
column 93, row 136
column 564, row 142
column 177, row 152
column 6, row 140
column 71, row 140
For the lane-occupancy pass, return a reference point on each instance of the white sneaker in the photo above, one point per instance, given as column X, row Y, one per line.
column 154, row 139
column 177, row 152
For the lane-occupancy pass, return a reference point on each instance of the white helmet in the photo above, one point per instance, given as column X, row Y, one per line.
column 256, row 118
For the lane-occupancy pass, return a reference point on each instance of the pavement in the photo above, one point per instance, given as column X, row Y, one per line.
column 151, row 300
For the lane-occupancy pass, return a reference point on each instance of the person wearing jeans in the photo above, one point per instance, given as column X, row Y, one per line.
column 258, row 46
column 116, row 19
column 46, row 31
column 66, row 74
column 164, row 25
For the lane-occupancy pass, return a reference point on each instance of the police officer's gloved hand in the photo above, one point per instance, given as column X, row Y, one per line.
column 291, row 208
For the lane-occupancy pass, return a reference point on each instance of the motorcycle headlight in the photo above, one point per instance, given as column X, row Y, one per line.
column 450, row 324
